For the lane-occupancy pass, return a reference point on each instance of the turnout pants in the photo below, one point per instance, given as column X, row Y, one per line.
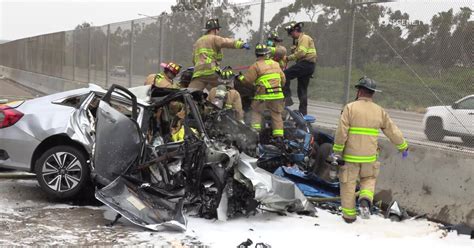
column 204, row 82
column 275, row 107
column 303, row 71
column 348, row 176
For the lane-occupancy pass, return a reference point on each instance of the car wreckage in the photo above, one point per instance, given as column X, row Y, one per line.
column 148, row 176
column 154, row 154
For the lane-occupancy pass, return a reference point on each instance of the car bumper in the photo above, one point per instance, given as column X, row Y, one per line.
column 18, row 147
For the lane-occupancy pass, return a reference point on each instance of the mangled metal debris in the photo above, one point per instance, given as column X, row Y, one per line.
column 158, row 160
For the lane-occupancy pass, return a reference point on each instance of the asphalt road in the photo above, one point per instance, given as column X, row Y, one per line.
column 11, row 91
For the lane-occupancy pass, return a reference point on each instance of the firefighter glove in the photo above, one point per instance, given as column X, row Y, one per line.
column 405, row 154
column 246, row 46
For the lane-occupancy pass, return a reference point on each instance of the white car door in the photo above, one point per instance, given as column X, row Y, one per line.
column 463, row 111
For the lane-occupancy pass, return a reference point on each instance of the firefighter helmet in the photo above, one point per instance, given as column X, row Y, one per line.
column 173, row 68
column 367, row 83
column 298, row 26
column 273, row 36
column 226, row 76
column 212, row 24
column 261, row 49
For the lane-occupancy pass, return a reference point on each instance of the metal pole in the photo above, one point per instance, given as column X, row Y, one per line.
column 74, row 55
column 172, row 37
column 107, row 59
column 89, row 62
column 161, row 42
column 350, row 43
column 262, row 17
column 131, row 57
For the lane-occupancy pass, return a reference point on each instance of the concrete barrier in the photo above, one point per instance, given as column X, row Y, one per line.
column 435, row 181
column 432, row 180
column 40, row 82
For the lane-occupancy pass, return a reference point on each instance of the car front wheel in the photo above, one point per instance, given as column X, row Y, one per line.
column 62, row 171
column 434, row 129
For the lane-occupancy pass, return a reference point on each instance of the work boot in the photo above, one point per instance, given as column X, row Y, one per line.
column 349, row 220
column 280, row 143
column 364, row 208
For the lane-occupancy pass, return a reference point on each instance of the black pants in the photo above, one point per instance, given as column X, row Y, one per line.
column 303, row 71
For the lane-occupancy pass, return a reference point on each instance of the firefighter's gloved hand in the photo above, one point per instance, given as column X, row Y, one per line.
column 333, row 158
column 405, row 154
column 246, row 46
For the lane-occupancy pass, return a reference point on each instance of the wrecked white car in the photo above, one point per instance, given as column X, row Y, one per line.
column 149, row 169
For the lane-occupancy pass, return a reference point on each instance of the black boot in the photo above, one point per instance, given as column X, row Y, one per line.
column 280, row 143
column 348, row 220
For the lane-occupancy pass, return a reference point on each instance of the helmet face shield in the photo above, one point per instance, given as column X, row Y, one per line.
column 270, row 43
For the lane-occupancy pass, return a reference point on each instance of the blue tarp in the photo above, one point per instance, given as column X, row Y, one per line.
column 309, row 184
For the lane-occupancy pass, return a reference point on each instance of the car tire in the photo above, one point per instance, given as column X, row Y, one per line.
column 434, row 129
column 62, row 172
column 468, row 140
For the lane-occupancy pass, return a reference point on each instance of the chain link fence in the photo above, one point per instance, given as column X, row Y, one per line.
column 418, row 61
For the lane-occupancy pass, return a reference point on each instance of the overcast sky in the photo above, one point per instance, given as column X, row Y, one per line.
column 25, row 18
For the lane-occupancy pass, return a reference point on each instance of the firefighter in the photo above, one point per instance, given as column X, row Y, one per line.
column 277, row 51
column 165, row 78
column 224, row 95
column 207, row 54
column 356, row 143
column 304, row 53
column 268, row 79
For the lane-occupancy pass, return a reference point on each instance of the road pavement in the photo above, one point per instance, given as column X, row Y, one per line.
column 11, row 91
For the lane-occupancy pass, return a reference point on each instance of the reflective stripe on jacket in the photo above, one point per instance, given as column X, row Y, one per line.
column 207, row 53
column 305, row 49
column 268, row 78
column 358, row 130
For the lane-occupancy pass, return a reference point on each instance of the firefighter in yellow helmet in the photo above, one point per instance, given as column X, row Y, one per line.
column 224, row 95
column 356, row 142
column 277, row 51
column 207, row 53
column 304, row 53
column 268, row 79
column 164, row 79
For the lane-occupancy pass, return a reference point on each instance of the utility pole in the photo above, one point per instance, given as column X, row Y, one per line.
column 262, row 17
column 350, row 47
column 350, row 42
column 130, row 65
column 107, row 58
